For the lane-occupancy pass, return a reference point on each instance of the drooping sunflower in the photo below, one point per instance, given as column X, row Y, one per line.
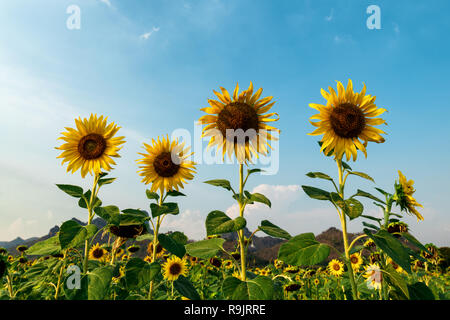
column 166, row 165
column 336, row 267
column 404, row 196
column 347, row 118
column 174, row 267
column 97, row 253
column 356, row 261
column 238, row 124
column 91, row 146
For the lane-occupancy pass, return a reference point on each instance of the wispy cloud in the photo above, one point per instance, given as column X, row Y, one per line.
column 330, row 17
column 107, row 2
column 147, row 35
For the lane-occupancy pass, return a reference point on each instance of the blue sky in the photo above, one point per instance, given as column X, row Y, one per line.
column 151, row 65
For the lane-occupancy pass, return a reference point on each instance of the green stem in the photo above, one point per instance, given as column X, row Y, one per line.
column 90, row 217
column 241, row 214
column 344, row 232
column 60, row 276
column 155, row 243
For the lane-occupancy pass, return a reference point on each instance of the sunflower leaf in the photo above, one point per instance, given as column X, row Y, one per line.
column 152, row 195
column 346, row 166
column 171, row 245
column 362, row 175
column 319, row 175
column 303, row 250
column 166, row 208
column 174, row 193
column 72, row 234
column 86, row 198
column 259, row 288
column 220, row 183
column 71, row 190
column 111, row 214
column 316, row 193
column 205, row 249
column 99, row 282
column 273, row 230
column 102, row 182
column 139, row 273
column 361, row 193
column 258, row 197
column 218, row 222
column 186, row 288
column 354, row 208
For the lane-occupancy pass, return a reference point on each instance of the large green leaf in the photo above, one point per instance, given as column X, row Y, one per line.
column 104, row 181
column 392, row 247
column 205, row 249
column 166, row 208
column 218, row 222
column 303, row 250
column 420, row 291
column 259, row 288
column 396, row 280
column 111, row 214
column 87, row 197
column 257, row 197
column 72, row 234
column 174, row 193
column 362, row 175
column 80, row 293
column 139, row 273
column 319, row 175
column 220, row 183
column 316, row 193
column 152, row 195
column 273, row 230
column 99, row 282
column 186, row 288
column 179, row 237
column 171, row 245
column 133, row 216
column 46, row 247
column 354, row 208
column 74, row 191
column 361, row 193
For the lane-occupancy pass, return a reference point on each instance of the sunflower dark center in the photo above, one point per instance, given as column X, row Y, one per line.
column 235, row 116
column 92, row 146
column 175, row 269
column 354, row 260
column 164, row 166
column 97, row 253
column 336, row 267
column 347, row 120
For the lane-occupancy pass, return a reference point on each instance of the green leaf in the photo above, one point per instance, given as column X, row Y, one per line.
column 396, row 280
column 186, row 288
column 166, row 208
column 371, row 218
column 220, row 183
column 139, row 273
column 99, row 282
column 258, row 197
column 273, row 230
column 411, row 239
column 316, row 193
column 77, row 294
column 259, row 288
column 179, row 237
column 392, row 247
column 250, row 171
column 346, row 166
column 174, row 193
column 133, row 216
column 72, row 234
column 111, row 214
column 172, row 246
column 303, row 250
column 46, row 247
column 87, row 197
column 354, row 208
column 362, row 175
column 102, row 182
column 361, row 193
column 151, row 195
column 71, row 190
column 319, row 175
column 205, row 249
column 218, row 222
column 369, row 225
column 420, row 291
column 383, row 192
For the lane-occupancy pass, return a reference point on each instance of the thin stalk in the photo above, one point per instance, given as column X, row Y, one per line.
column 241, row 214
column 58, row 285
column 90, row 216
column 155, row 243
column 344, row 232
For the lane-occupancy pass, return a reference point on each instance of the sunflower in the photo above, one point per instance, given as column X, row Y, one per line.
column 356, row 261
column 228, row 264
column 395, row 266
column 345, row 119
column 239, row 125
column 97, row 253
column 403, row 196
column 174, row 267
column 336, row 267
column 373, row 276
column 90, row 146
column 159, row 250
column 316, row 282
column 165, row 165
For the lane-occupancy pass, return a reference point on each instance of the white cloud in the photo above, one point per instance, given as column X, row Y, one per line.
column 147, row 35
column 191, row 222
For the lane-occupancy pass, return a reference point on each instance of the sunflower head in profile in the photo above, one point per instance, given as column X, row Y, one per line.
column 98, row 253
column 347, row 118
column 404, row 191
column 238, row 124
column 91, row 146
column 336, row 267
column 166, row 165
column 174, row 267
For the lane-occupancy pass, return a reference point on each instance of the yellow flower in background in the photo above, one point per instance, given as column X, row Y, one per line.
column 245, row 111
column 174, row 267
column 395, row 266
column 91, row 146
column 98, row 253
column 166, row 165
column 356, row 261
column 336, row 267
column 347, row 118
column 404, row 192
column 373, row 276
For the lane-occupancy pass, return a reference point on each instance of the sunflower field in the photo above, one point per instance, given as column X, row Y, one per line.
column 384, row 262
